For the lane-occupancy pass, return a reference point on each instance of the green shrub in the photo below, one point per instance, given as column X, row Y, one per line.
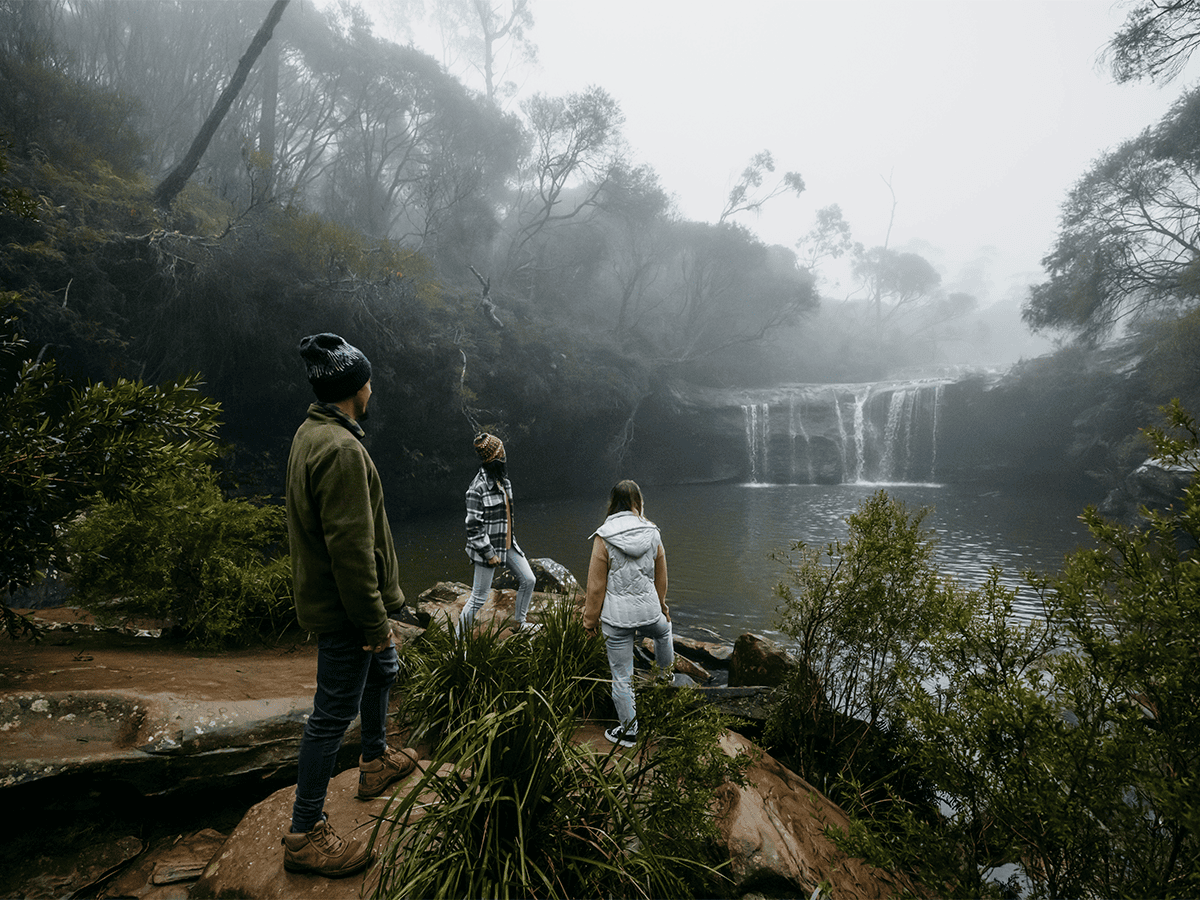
column 183, row 552
column 62, row 444
column 1067, row 744
column 512, row 806
column 862, row 613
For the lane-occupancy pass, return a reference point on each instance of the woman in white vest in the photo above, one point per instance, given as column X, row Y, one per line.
column 627, row 598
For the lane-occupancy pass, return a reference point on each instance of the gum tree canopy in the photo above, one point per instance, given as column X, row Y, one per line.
column 1128, row 239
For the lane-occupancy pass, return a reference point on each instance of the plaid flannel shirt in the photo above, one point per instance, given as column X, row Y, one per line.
column 488, row 518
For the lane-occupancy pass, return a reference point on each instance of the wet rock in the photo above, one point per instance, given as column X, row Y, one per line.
column 73, row 873
column 758, row 661
column 168, row 869
column 552, row 577
column 747, row 704
column 708, row 653
column 774, row 831
column 250, row 862
column 1153, row 485
column 644, row 658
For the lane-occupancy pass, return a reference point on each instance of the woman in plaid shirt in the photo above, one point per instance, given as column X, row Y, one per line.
column 490, row 540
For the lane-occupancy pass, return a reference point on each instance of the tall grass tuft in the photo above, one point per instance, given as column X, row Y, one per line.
column 512, row 805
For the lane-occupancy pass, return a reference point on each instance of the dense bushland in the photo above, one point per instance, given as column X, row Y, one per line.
column 962, row 738
column 523, row 811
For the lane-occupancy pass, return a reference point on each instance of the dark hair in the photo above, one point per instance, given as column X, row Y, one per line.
column 626, row 496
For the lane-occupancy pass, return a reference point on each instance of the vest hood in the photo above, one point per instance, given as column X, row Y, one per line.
column 628, row 532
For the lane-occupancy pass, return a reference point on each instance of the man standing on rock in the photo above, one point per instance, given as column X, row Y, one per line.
column 345, row 581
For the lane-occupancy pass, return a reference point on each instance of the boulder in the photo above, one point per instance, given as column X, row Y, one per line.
column 54, row 875
column 748, row 704
column 445, row 602
column 710, row 654
column 757, row 660
column 250, row 862
column 774, row 831
column 645, row 657
column 552, row 578
column 167, row 870
column 1153, row 485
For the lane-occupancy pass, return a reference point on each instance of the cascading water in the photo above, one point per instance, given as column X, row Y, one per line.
column 886, row 433
column 795, row 430
column 758, row 436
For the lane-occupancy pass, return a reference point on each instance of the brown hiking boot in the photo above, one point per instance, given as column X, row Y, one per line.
column 375, row 776
column 322, row 852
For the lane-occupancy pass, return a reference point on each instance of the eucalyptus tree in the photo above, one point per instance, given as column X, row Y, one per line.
column 414, row 148
column 488, row 37
column 730, row 290
column 1129, row 234
column 1156, row 41
column 574, row 145
column 635, row 215
column 748, row 193
column 174, row 57
column 897, row 281
column 828, row 240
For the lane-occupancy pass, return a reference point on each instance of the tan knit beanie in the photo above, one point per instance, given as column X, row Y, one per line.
column 489, row 447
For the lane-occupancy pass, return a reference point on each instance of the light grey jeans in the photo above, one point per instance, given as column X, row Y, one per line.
column 482, row 586
column 619, row 643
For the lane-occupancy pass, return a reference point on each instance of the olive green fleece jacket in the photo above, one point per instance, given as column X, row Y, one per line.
column 344, row 567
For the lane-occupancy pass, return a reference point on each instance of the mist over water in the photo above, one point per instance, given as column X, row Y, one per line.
column 719, row 539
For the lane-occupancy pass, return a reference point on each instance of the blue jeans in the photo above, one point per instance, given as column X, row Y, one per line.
column 351, row 681
column 619, row 643
column 482, row 586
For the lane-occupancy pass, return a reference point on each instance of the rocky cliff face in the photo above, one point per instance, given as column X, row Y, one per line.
column 969, row 428
column 794, row 434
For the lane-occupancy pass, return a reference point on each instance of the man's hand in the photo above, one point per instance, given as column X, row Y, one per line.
column 494, row 561
column 381, row 646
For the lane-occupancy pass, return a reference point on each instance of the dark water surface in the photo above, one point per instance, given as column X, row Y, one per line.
column 719, row 538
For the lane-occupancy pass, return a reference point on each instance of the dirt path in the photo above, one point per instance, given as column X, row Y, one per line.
column 97, row 661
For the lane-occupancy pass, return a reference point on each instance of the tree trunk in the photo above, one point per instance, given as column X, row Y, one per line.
column 168, row 190
column 266, row 121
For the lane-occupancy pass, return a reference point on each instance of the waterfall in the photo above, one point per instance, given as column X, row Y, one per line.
column 860, row 433
column 758, row 433
column 796, row 429
column 937, row 402
column 841, row 426
column 863, row 433
column 896, row 419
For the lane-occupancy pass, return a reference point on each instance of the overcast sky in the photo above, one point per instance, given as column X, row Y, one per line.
column 981, row 113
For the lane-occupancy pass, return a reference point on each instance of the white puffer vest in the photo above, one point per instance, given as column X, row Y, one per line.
column 630, row 599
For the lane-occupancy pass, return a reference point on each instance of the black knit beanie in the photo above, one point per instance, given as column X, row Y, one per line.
column 336, row 370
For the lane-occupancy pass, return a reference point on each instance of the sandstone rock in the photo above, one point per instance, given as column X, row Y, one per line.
column 774, row 827
column 445, row 602
column 53, row 876
column 552, row 577
column 693, row 670
column 250, row 863
column 1153, row 485
column 707, row 653
column 167, row 870
column 758, row 661
column 750, row 704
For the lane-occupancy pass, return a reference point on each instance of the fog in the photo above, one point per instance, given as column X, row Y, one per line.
column 948, row 129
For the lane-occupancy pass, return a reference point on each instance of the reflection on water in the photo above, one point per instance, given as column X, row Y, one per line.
column 719, row 537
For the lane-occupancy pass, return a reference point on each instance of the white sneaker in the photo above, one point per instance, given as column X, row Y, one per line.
column 618, row 735
column 529, row 627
